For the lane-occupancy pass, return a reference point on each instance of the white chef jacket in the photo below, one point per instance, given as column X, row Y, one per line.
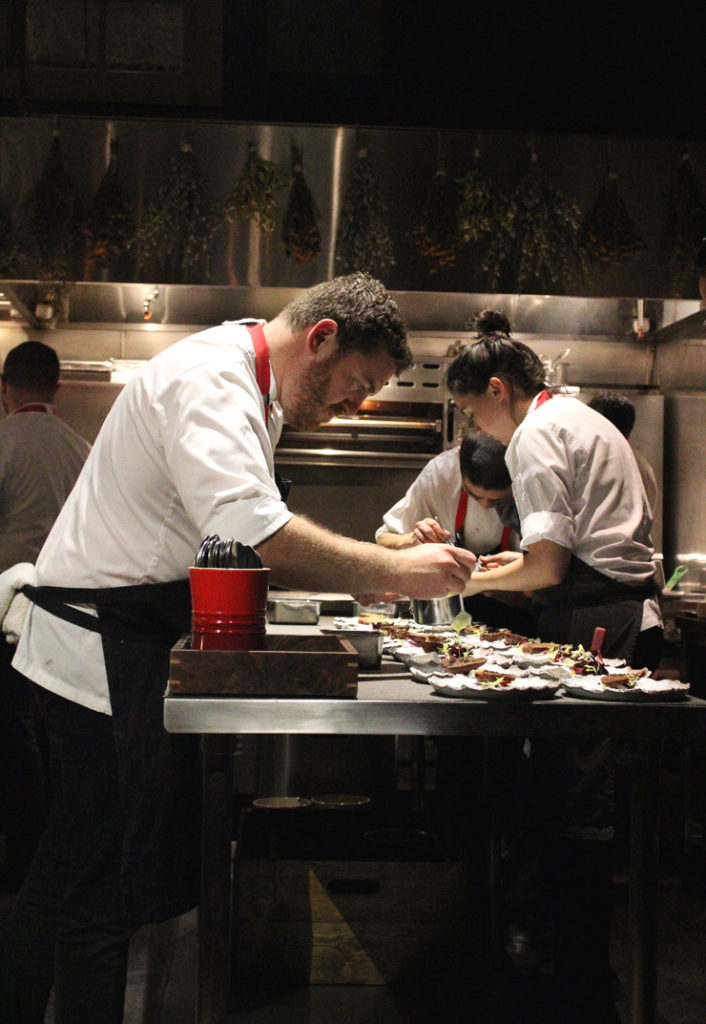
column 649, row 480
column 184, row 452
column 40, row 459
column 576, row 482
column 435, row 494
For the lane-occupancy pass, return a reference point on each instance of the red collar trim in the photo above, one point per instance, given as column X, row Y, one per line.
column 35, row 407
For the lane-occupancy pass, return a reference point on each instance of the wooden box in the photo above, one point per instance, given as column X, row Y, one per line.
column 351, row 922
column 287, row 666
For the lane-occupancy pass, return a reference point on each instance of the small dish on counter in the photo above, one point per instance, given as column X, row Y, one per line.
column 293, row 611
column 367, row 643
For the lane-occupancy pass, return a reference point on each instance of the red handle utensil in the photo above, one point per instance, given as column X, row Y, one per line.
column 597, row 642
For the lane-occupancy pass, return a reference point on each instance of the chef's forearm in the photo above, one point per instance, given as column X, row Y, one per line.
column 544, row 564
column 304, row 555
column 395, row 540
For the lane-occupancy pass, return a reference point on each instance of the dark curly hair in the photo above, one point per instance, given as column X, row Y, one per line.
column 496, row 355
column 482, row 461
column 368, row 317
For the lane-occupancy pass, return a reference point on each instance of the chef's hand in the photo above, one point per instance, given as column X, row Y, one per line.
column 434, row 570
column 499, row 558
column 429, row 531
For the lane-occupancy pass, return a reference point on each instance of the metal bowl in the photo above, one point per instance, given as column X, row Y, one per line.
column 437, row 611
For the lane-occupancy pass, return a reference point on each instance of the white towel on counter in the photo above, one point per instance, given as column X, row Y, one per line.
column 14, row 605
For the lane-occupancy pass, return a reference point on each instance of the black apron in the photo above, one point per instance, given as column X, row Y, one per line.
column 569, row 612
column 159, row 773
column 577, row 774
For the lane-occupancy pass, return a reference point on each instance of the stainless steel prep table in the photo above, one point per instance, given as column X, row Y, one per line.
column 404, row 707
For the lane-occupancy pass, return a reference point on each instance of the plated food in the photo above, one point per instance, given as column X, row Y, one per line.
column 481, row 663
column 645, row 688
column 490, row 685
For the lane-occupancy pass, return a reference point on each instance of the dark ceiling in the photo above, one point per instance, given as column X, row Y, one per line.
column 566, row 66
column 546, row 67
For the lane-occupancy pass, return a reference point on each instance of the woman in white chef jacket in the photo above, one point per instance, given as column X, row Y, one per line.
column 585, row 519
column 587, row 558
column 462, row 496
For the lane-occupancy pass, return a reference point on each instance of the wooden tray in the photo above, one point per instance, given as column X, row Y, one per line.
column 287, row 666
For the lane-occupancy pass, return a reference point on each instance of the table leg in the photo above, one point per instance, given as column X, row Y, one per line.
column 214, row 918
column 643, row 879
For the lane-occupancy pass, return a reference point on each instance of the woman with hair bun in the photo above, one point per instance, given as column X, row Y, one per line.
column 587, row 552
column 587, row 559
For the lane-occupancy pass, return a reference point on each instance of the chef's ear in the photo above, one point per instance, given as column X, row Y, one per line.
column 497, row 387
column 320, row 333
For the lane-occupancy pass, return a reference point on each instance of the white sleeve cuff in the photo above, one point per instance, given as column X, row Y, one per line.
column 547, row 526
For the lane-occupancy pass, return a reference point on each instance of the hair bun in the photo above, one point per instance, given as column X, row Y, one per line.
column 491, row 321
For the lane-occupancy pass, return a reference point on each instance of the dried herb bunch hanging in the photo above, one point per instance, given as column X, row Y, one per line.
column 109, row 227
column 300, row 232
column 253, row 196
column 485, row 213
column 48, row 223
column 546, row 250
column 684, row 228
column 608, row 234
column 363, row 241
column 435, row 231
column 176, row 234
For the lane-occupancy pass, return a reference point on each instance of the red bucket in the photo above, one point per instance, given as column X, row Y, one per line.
column 228, row 608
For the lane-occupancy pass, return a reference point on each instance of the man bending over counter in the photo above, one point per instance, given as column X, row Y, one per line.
column 186, row 451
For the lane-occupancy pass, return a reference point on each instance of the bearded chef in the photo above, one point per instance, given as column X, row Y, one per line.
column 186, row 451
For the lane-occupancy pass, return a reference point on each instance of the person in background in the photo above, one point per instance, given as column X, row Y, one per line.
column 463, row 497
column 186, row 451
column 621, row 413
column 587, row 558
column 40, row 459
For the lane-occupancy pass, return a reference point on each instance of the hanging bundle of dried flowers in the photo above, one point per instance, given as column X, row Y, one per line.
column 546, row 251
column 435, row 231
column 485, row 213
column 482, row 207
column 109, row 227
column 253, row 196
column 684, row 228
column 300, row 232
column 48, row 222
column 176, row 235
column 608, row 234
column 363, row 241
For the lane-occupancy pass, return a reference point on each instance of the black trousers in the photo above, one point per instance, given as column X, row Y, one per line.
column 68, row 923
column 23, row 779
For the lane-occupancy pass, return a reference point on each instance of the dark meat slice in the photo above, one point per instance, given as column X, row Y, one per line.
column 462, row 664
column 489, row 676
column 537, row 648
column 616, row 682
